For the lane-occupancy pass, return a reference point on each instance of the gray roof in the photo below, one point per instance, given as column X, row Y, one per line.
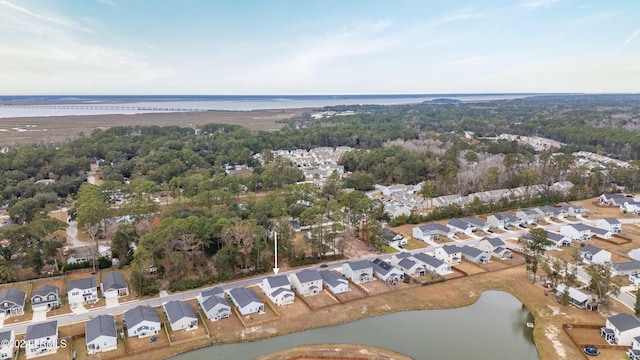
column 278, row 280
column 406, row 263
column 5, row 336
column 555, row 236
column 612, row 221
column 281, row 290
column 141, row 313
column 574, row 293
column 505, row 217
column 13, row 295
column 550, row 209
column 599, row 231
column 113, row 280
column 382, row 267
column 359, row 264
column 41, row 330
column 494, row 241
column 451, row 249
column 177, row 310
column 429, row 260
column 402, row 255
column 459, row 224
column 308, row 275
column 212, row 301
column 216, row 291
column 591, row 249
column 332, row 279
column 101, row 325
column 471, row 251
column 244, row 296
column 86, row 283
column 624, row 321
column 46, row 290
column 434, row 227
column 581, row 227
column 474, row 221
column 626, row 266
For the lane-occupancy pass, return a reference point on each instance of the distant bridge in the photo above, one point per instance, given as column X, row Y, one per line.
column 103, row 107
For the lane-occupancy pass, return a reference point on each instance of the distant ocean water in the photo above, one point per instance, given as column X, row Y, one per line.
column 35, row 106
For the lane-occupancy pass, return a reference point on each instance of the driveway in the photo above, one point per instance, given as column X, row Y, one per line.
column 39, row 316
column 112, row 302
column 80, row 309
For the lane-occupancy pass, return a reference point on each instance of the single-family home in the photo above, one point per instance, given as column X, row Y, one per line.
column 391, row 237
column 576, row 297
column 610, row 224
column 502, row 221
column 528, row 216
column 496, row 247
column 334, row 282
column 634, row 352
column 114, row 285
column 397, row 257
column 142, row 321
column 551, row 212
column 630, row 206
column 601, row 233
column 41, row 339
column 246, row 300
column 8, row 340
column 613, row 199
column 621, row 329
column 576, row 231
column 430, row 232
column 385, row 271
column 475, row 255
column 12, row 302
column 460, row 226
column 625, row 268
column 412, row 267
column 82, row 291
column 214, row 304
column 432, row 264
column 278, row 289
column 450, row 254
column 358, row 271
column 557, row 241
column 306, row 282
column 100, row 334
column 576, row 211
column 181, row 315
column 45, row 298
column 479, row 224
column 593, row 255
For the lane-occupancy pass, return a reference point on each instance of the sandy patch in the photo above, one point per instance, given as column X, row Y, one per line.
column 552, row 334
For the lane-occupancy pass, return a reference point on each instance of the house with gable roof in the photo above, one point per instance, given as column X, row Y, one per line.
column 306, row 282
column 82, row 291
column 450, row 254
column 246, row 300
column 610, row 224
column 613, row 199
column 529, row 216
column 593, row 255
column 8, row 339
column 12, row 302
column 630, row 206
column 432, row 264
column 412, row 267
column 181, row 316
column 334, row 282
column 41, row 339
column 576, row 231
column 214, row 304
column 557, row 241
column 45, row 298
column 496, row 247
column 142, row 321
column 278, row 289
column 621, row 329
column 430, row 232
column 479, row 224
column 634, row 352
column 460, row 226
column 100, row 334
column 625, row 268
column 385, row 271
column 113, row 285
column 502, row 221
column 358, row 271
column 475, row 255
column 576, row 297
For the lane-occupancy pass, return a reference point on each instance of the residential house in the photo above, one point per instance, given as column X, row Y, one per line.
column 576, row 297
column 45, row 298
column 502, row 221
column 114, row 285
column 593, row 255
column 214, row 304
column 385, row 271
column 306, row 282
column 634, row 352
column 430, row 232
column 528, row 216
column 558, row 241
column 391, row 237
column 613, row 199
column 479, row 224
column 100, row 334
column 630, row 206
column 450, row 254
column 82, row 291
column 358, row 271
column 334, row 282
column 460, row 226
column 576, row 231
column 475, row 255
column 432, row 264
column 551, row 212
column 610, row 224
column 621, row 329
column 181, row 315
column 246, row 300
column 601, row 233
column 142, row 321
column 8, row 340
column 12, row 302
column 576, row 211
column 278, row 289
column 41, row 339
column 496, row 247
column 412, row 267
column 625, row 268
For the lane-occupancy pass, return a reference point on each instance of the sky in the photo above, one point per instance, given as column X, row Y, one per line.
column 293, row 47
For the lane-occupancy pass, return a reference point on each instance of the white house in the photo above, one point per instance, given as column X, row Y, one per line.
column 613, row 199
column 593, row 255
column 621, row 329
column 450, row 254
column 213, row 303
column 576, row 231
column 12, row 302
column 610, row 224
column 41, row 339
column 412, row 267
column 630, row 206
column 433, row 265
column 334, row 282
column 278, row 289
column 45, row 298
column 142, row 321
column 460, row 226
column 577, row 297
column 114, row 285
column 496, row 247
column 479, row 224
column 181, row 315
column 430, row 232
column 502, row 221
column 306, row 282
column 551, row 212
column 246, row 300
column 475, row 255
column 557, row 240
column 358, row 271
column 385, row 271
column 8, row 340
column 529, row 216
column 634, row 352
column 601, row 233
column 82, row 291
column 100, row 334
column 625, row 268
column 391, row 237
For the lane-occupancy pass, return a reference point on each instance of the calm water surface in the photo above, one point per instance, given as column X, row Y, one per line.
column 492, row 328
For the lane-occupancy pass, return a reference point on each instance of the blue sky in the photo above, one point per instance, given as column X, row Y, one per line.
column 318, row 47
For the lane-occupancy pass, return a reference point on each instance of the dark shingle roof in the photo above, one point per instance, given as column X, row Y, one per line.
column 13, row 295
column 139, row 314
column 624, row 321
column 244, row 296
column 212, row 301
column 626, row 266
column 359, row 264
column 101, row 325
column 216, row 291
column 41, row 330
column 494, row 241
column 471, row 251
column 113, row 281
column 591, row 249
column 428, row 259
column 308, row 275
column 5, row 336
column 177, row 310
column 332, row 279
column 278, row 280
column 86, row 283
column 45, row 290
column 434, row 227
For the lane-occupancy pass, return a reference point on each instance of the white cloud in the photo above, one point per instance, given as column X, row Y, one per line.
column 627, row 41
column 475, row 60
column 45, row 17
column 534, row 4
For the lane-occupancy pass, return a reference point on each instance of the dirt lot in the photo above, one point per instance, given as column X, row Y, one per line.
column 321, row 300
column 469, row 268
column 354, row 293
column 375, row 287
